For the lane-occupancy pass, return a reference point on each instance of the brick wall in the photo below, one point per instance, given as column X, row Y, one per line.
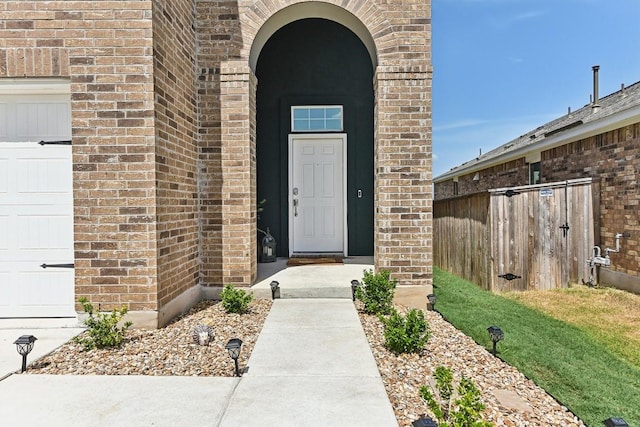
column 163, row 111
column 238, row 160
column 105, row 48
column 513, row 173
column 403, row 202
column 613, row 160
column 176, row 147
column 217, row 40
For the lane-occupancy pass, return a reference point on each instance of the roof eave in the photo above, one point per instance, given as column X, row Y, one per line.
column 605, row 124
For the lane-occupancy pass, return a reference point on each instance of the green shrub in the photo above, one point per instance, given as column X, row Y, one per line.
column 103, row 330
column 405, row 334
column 235, row 300
column 376, row 292
column 466, row 410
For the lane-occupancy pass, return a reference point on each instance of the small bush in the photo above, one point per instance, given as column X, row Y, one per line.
column 103, row 330
column 235, row 300
column 406, row 334
column 466, row 410
column 376, row 292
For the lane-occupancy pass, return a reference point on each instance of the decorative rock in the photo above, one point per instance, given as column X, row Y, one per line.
column 404, row 374
column 166, row 351
column 510, row 400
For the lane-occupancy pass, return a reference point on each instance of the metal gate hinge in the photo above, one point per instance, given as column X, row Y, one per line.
column 564, row 228
column 509, row 276
column 511, row 192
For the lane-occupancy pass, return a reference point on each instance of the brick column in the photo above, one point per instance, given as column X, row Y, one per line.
column 403, row 199
column 238, row 162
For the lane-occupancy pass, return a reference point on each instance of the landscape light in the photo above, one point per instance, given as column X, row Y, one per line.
column 424, row 422
column 496, row 334
column 432, row 301
column 615, row 422
column 274, row 287
column 354, row 286
column 24, row 345
column 233, row 346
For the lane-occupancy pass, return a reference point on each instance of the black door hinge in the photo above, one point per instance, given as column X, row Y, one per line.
column 58, row 265
column 510, row 193
column 65, row 142
column 564, row 228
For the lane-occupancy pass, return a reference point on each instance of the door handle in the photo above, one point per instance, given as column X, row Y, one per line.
column 295, row 207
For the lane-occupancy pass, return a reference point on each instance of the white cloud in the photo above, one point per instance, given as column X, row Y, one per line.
column 503, row 22
column 527, row 15
column 458, row 142
column 459, row 124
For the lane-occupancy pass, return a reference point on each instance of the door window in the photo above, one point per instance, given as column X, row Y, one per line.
column 316, row 118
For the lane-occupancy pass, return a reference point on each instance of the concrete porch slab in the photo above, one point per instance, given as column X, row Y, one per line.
column 311, row 281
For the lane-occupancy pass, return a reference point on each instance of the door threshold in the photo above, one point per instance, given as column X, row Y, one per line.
column 317, row 254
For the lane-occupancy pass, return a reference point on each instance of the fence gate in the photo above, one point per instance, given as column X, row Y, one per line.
column 541, row 235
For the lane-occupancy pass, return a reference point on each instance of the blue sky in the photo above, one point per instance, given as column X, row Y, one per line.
column 504, row 67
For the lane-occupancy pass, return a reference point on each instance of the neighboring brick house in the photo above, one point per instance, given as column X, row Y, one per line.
column 599, row 141
column 181, row 115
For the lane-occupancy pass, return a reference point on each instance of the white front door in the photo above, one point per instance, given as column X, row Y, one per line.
column 317, row 217
column 36, row 207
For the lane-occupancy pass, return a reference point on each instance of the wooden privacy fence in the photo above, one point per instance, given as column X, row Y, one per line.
column 519, row 238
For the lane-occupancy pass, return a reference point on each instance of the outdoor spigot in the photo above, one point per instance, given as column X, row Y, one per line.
column 617, row 249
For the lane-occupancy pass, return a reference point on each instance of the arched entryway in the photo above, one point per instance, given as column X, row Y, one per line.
column 322, row 73
column 256, row 132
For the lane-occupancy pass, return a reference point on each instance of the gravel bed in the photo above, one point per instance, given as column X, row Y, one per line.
column 403, row 375
column 172, row 351
column 167, row 351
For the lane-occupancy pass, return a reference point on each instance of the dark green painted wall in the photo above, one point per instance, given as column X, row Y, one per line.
column 315, row 62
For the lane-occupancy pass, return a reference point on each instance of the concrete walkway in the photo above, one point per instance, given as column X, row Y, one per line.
column 311, row 366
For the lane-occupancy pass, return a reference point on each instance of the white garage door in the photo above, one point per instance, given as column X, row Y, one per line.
column 36, row 202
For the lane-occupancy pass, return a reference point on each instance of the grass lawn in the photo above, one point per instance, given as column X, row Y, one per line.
column 574, row 366
column 608, row 315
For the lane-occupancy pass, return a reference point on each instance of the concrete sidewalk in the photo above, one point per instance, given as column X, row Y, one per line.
column 50, row 334
column 311, row 366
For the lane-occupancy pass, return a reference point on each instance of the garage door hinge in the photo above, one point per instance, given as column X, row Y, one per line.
column 509, row 276
column 58, row 265
column 65, row 142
